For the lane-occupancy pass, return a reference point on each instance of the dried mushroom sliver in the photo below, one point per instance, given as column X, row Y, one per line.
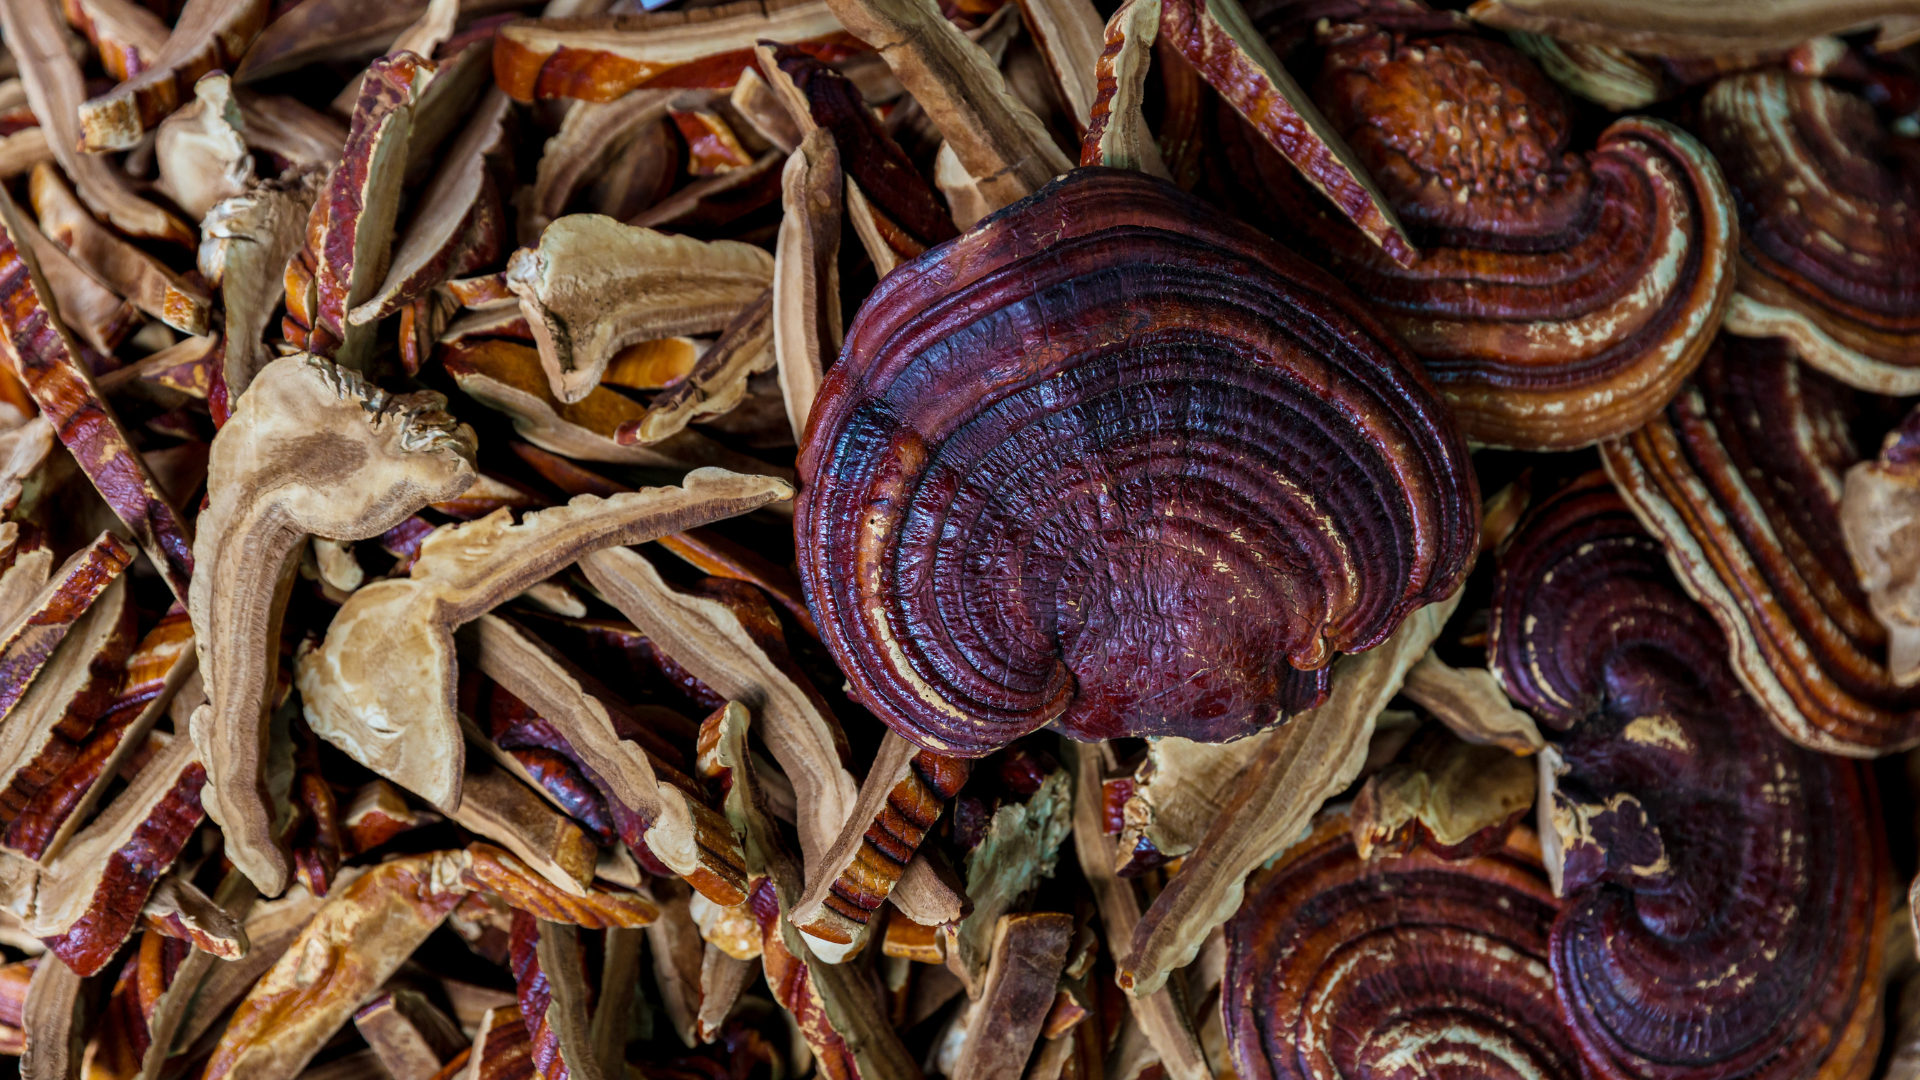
column 201, row 154
column 1471, row 704
column 245, row 244
column 1769, row 559
column 144, row 280
column 1830, row 221
column 580, row 149
column 1701, row 27
column 310, row 449
column 207, row 34
column 95, row 314
column 991, row 384
column 602, row 57
column 1451, row 797
column 1175, row 793
column 1117, row 132
column 289, row 130
column 1335, row 963
column 55, row 89
column 718, row 381
column 29, row 640
column 594, row 286
column 1029, row 950
column 1710, row 919
column 1563, row 295
column 806, row 274
column 1877, row 511
column 499, row 807
column 127, row 35
column 401, row 723
column 47, row 361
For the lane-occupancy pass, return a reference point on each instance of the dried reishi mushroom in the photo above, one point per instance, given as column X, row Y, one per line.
column 1701, row 27
column 1561, row 295
column 1769, row 559
column 1830, row 216
column 1726, row 890
column 1340, row 966
column 993, row 385
column 1877, row 514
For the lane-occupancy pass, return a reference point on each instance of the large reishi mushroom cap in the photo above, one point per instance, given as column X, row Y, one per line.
column 1115, row 462
column 1416, row 965
column 1726, row 890
column 1830, row 240
column 1561, row 295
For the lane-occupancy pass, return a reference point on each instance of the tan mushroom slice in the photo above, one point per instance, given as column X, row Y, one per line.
column 397, row 718
column 591, row 132
column 1470, row 702
column 1070, row 38
column 339, row 30
column 687, row 836
column 201, row 154
column 499, row 871
column 82, row 677
column 310, row 449
column 353, row 945
column 94, row 313
column 718, row 382
column 1179, row 788
column 235, row 897
column 126, row 34
column 1300, row 765
column 619, row 984
column 49, row 363
column 722, row 978
column 902, row 797
column 271, row 926
column 282, row 126
column 594, row 286
column 53, row 1020
column 22, row 150
column 208, row 34
column 1028, row 952
column 177, row 908
column 678, row 955
column 29, row 560
column 999, row 140
column 55, row 89
column 560, row 959
column 1702, row 28
column 1452, row 797
column 1879, row 505
column 446, row 105
column 377, row 813
column 245, row 245
column 508, row 376
column 714, row 202
column 760, row 107
column 145, row 281
column 29, row 640
column 707, row 637
column 421, row 37
column 458, row 227
column 806, row 274
column 495, row 805
column 1117, row 133
column 929, row 893
column 1021, row 847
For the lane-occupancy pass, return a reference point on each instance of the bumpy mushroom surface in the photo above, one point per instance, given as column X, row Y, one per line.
column 1114, row 462
column 1561, row 295
column 1413, row 965
column 1726, row 890
column 1742, row 478
column 1830, row 225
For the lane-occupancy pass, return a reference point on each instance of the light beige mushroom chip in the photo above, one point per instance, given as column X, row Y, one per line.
column 200, row 152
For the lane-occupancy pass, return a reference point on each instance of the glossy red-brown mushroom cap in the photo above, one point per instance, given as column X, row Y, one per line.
column 1115, row 462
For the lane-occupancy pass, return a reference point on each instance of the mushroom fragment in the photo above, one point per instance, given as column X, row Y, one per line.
column 127, row 35
column 717, row 384
column 1700, row 27
column 208, row 34
column 1452, row 797
column 806, row 275
column 1117, row 134
column 1877, row 511
column 245, row 246
column 1022, row 975
column 144, row 280
column 353, row 696
column 997, row 336
column 31, row 637
column 311, row 449
column 1770, row 945
column 202, row 155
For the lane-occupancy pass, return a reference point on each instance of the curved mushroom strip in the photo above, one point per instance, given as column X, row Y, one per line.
column 1768, row 559
column 142, row 279
column 499, row 872
column 993, row 384
column 1727, row 892
column 310, row 449
column 291, row 132
column 594, row 286
column 29, row 639
column 716, row 384
column 398, row 718
column 806, row 275
column 208, row 34
column 1117, row 134
column 245, row 245
column 48, row 362
column 1701, row 27
column 1341, row 967
column 1831, row 226
column 601, row 58
column 1561, row 296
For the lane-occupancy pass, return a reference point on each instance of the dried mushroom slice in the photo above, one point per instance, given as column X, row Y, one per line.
column 1174, row 795
column 144, row 280
column 1022, row 977
column 1452, row 797
column 717, row 383
column 806, row 275
column 1471, row 704
column 399, row 721
column 1769, row 559
column 1021, row 846
column 495, row 805
column 1878, row 506
column 202, row 156
column 30, row 638
column 1769, row 948
column 207, row 34
column 91, row 311
column 1117, row 133
column 585, row 147
column 290, row 131
column 408, row 1033
column 1702, row 28
column 128, row 36
column 48, row 362
column 310, row 449
column 594, row 286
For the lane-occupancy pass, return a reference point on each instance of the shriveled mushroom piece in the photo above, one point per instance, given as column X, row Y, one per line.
column 1174, row 795
column 1471, row 704
column 290, row 131
column 1299, row 766
column 1117, row 132
column 91, row 311
column 411, row 1037
column 55, row 89
column 1021, row 846
column 202, row 156
column 594, row 286
column 245, row 245
column 495, row 805
column 1767, row 911
column 208, row 34
column 127, row 35
column 591, row 135
column 1452, row 797
column 806, row 274
column 52, row 1022
column 399, row 719
column 1022, row 977
column 601, row 58
column 144, row 280
column 1742, row 479
column 1879, row 507
column 1704, row 28
column 30, row 637
column 311, row 449
column 717, row 382
column 547, row 966
column 48, row 362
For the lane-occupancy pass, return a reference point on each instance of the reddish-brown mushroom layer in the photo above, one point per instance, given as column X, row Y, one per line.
column 1830, row 225
column 1114, row 462
column 1726, row 890
column 1560, row 296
